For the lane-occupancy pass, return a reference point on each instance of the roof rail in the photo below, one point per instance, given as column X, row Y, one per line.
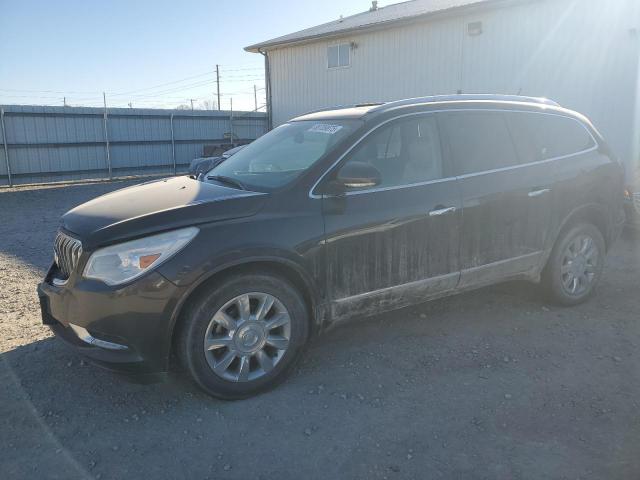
column 466, row 98
column 343, row 107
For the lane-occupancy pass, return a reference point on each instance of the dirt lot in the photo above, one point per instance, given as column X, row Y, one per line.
column 494, row 384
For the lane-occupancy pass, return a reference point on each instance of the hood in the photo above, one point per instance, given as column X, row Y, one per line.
column 157, row 206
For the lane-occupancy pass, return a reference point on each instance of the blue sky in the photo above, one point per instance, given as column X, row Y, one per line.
column 79, row 48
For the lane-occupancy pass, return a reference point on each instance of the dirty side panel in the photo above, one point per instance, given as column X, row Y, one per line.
column 588, row 179
column 501, row 221
column 506, row 199
column 385, row 239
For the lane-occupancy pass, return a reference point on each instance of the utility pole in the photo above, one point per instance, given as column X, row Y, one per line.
column 218, row 83
column 6, row 148
column 255, row 96
column 191, row 100
column 106, row 137
column 231, row 121
column 64, row 101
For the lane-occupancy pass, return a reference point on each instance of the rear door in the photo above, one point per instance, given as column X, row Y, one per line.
column 565, row 148
column 506, row 199
column 397, row 243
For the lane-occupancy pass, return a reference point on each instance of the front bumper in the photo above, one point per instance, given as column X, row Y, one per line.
column 127, row 329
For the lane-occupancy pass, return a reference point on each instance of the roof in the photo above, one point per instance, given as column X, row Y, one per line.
column 360, row 111
column 370, row 19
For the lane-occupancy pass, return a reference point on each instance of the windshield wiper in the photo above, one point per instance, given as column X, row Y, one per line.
column 228, row 180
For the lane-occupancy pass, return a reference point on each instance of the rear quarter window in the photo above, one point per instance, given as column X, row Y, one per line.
column 544, row 136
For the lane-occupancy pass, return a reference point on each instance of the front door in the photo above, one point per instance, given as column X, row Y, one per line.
column 397, row 243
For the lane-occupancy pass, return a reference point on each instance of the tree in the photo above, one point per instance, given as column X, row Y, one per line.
column 207, row 105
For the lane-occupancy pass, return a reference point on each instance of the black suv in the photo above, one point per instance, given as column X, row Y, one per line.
column 335, row 214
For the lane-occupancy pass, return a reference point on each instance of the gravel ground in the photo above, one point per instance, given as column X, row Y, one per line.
column 493, row 384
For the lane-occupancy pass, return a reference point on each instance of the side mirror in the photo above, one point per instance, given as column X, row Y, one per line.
column 359, row 175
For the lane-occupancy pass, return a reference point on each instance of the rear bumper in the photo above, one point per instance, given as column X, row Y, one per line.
column 126, row 329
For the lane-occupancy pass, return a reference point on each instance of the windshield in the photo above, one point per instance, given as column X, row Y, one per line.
column 283, row 154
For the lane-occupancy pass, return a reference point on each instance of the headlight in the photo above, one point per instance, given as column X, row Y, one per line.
column 123, row 262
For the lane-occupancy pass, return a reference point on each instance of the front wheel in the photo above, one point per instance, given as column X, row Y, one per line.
column 575, row 265
column 243, row 337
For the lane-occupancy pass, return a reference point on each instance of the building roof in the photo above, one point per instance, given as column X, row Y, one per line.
column 382, row 16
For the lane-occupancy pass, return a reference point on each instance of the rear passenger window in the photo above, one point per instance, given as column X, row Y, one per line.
column 541, row 136
column 478, row 141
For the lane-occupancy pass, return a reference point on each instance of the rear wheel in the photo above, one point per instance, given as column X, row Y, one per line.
column 244, row 337
column 575, row 265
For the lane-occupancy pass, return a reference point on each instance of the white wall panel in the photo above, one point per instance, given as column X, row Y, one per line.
column 581, row 53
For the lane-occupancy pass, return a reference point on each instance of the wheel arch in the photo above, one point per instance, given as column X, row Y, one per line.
column 279, row 266
column 592, row 213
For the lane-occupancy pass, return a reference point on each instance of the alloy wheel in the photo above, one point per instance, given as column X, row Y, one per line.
column 247, row 337
column 579, row 265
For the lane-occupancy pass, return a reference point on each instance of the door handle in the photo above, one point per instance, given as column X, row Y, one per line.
column 442, row 211
column 538, row 193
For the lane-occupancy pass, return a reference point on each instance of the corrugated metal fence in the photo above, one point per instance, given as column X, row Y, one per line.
column 53, row 144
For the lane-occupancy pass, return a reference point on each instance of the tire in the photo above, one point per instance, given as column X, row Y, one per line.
column 575, row 265
column 248, row 351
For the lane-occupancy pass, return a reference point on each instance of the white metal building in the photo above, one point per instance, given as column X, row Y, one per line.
column 585, row 54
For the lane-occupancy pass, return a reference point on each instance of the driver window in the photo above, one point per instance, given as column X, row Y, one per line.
column 404, row 152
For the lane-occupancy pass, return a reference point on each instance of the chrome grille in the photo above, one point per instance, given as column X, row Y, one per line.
column 636, row 201
column 67, row 252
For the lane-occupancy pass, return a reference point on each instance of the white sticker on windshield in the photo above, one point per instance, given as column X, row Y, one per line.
column 325, row 128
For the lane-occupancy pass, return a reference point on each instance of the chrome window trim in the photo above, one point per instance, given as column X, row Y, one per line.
column 595, row 147
column 396, row 187
column 529, row 164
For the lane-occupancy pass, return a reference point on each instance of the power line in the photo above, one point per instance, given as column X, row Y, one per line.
column 162, row 84
column 46, row 91
column 129, row 92
column 182, row 88
column 253, row 75
column 240, row 92
column 72, row 92
column 252, row 71
column 250, row 80
column 239, row 68
column 147, row 95
column 252, row 111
